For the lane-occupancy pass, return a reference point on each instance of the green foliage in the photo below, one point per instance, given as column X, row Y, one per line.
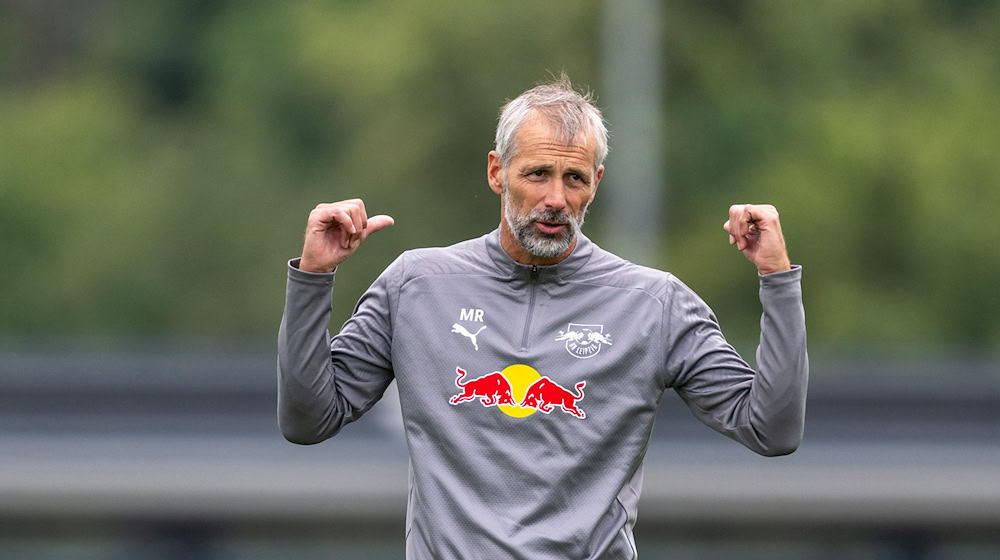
column 158, row 179
column 158, row 161
column 871, row 127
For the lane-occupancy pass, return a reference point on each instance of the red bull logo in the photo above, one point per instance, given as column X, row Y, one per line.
column 491, row 390
column 519, row 391
column 545, row 393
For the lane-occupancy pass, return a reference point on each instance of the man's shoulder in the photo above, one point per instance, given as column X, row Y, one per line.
column 610, row 269
column 461, row 258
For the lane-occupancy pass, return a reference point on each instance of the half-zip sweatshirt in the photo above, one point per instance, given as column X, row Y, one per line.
column 527, row 437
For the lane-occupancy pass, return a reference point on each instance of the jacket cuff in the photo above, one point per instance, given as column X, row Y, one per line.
column 775, row 279
column 305, row 277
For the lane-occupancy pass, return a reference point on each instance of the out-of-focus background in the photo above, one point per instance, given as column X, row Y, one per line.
column 158, row 161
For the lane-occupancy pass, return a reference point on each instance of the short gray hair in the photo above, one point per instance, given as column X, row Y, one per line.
column 570, row 112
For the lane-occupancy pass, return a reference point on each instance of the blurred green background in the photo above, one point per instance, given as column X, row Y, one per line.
column 158, row 159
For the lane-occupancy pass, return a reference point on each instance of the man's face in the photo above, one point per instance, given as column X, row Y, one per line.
column 543, row 233
column 545, row 192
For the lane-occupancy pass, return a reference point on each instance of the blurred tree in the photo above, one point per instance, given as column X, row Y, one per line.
column 184, row 144
column 867, row 124
column 157, row 160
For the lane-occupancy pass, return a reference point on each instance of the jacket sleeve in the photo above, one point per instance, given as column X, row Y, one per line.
column 325, row 383
column 764, row 409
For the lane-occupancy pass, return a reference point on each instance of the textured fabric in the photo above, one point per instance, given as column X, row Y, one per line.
column 528, row 393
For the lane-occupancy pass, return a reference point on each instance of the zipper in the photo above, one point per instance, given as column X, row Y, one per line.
column 531, row 306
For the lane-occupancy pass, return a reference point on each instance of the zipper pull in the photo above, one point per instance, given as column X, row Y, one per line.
column 534, row 272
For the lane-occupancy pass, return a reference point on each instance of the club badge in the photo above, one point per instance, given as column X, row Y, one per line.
column 584, row 341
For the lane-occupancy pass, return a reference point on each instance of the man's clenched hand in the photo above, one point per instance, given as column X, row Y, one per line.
column 756, row 231
column 334, row 231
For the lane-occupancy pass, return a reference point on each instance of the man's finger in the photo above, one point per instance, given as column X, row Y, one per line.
column 330, row 214
column 346, row 222
column 749, row 225
column 726, row 227
column 348, row 216
column 376, row 223
column 358, row 218
column 739, row 224
column 364, row 213
column 329, row 217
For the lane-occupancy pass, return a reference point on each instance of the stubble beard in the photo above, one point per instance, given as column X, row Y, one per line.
column 535, row 241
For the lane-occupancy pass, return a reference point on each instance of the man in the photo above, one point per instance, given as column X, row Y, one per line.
column 529, row 361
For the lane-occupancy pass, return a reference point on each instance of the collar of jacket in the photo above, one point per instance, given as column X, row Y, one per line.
column 564, row 269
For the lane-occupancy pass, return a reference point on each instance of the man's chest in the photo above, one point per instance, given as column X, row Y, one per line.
column 520, row 348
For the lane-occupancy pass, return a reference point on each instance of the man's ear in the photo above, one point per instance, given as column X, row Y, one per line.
column 597, row 181
column 494, row 171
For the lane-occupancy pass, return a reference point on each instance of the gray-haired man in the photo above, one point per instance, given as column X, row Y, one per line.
column 530, row 362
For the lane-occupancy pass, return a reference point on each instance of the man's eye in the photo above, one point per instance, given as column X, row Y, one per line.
column 538, row 173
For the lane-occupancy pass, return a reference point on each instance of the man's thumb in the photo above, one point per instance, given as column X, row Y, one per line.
column 376, row 223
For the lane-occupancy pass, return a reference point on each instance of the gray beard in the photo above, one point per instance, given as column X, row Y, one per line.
column 536, row 242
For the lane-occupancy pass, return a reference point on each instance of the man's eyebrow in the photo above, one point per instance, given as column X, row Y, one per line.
column 584, row 174
column 532, row 167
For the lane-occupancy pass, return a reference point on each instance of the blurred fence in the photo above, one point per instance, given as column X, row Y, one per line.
column 182, row 450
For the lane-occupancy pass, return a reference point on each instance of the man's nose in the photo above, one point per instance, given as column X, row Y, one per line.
column 555, row 195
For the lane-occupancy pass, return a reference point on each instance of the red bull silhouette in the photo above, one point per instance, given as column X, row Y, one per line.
column 491, row 389
column 573, row 336
column 598, row 337
column 545, row 393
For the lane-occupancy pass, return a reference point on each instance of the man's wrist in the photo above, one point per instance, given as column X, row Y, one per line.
column 793, row 274
column 305, row 265
column 295, row 267
column 780, row 267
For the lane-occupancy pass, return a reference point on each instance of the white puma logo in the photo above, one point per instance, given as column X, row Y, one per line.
column 456, row 328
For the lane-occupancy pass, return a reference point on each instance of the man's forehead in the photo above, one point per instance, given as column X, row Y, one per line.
column 538, row 134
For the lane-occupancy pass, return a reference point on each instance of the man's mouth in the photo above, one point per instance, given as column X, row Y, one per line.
column 550, row 228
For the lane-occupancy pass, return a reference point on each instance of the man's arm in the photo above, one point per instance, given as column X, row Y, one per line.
column 323, row 384
column 764, row 410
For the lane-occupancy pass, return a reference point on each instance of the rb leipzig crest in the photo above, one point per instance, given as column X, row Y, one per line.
column 584, row 341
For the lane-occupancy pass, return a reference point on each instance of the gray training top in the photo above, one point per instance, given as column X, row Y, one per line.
column 528, row 392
